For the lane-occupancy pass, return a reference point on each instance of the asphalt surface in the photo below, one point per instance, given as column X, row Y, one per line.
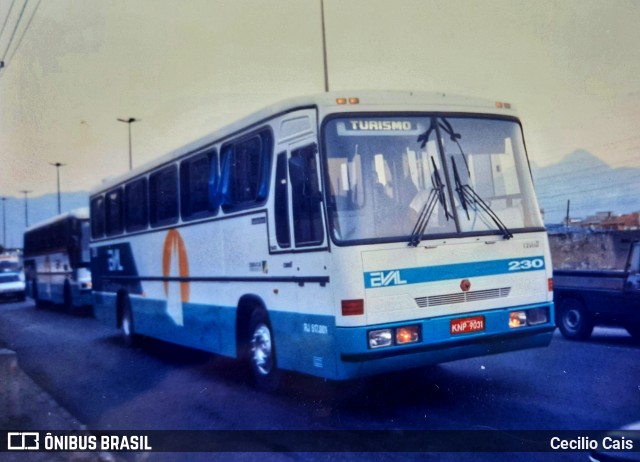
column 86, row 370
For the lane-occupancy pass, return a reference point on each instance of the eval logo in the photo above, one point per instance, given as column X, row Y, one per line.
column 386, row 278
column 175, row 268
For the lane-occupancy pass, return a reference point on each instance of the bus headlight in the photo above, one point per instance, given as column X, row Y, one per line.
column 380, row 338
column 531, row 317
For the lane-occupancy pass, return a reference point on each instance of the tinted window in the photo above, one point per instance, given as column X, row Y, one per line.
column 246, row 171
column 163, row 196
column 282, row 202
column 198, row 176
column 305, row 197
column 9, row 278
column 97, row 217
column 136, row 211
column 114, row 216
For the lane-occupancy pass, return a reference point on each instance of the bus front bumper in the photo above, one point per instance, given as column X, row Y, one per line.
column 437, row 344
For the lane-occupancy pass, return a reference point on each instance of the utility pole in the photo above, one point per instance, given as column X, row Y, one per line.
column 26, row 207
column 324, row 48
column 57, row 165
column 4, row 225
column 129, row 121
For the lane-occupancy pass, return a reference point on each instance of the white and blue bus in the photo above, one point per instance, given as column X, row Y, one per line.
column 341, row 235
column 56, row 260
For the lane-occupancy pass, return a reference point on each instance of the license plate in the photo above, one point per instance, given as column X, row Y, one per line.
column 467, row 325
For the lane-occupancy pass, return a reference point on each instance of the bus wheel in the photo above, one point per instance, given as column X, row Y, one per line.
column 126, row 323
column 574, row 321
column 262, row 353
column 68, row 303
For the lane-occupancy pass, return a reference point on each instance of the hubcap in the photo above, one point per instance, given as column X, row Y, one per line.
column 572, row 319
column 261, row 349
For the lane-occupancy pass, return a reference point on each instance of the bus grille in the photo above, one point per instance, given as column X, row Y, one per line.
column 463, row 297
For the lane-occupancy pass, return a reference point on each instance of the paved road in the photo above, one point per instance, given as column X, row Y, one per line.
column 86, row 368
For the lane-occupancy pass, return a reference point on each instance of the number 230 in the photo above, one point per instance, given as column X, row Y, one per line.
column 523, row 265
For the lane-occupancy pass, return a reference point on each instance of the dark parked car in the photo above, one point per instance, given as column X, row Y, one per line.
column 588, row 298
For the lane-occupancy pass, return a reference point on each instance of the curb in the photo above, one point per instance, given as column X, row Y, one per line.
column 25, row 406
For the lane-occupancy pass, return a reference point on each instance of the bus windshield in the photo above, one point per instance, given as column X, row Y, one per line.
column 401, row 178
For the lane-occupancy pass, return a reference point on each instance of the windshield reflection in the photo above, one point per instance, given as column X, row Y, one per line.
column 392, row 178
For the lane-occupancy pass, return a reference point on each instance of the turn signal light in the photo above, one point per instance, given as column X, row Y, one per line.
column 407, row 334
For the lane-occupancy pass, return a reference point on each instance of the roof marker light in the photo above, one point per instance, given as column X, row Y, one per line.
column 341, row 100
column 354, row 100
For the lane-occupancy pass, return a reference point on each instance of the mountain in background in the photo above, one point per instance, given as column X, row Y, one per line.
column 589, row 183
column 40, row 208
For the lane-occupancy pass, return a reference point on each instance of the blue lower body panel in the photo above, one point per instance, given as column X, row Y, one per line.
column 438, row 344
column 312, row 344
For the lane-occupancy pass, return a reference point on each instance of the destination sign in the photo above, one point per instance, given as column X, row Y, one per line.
column 379, row 127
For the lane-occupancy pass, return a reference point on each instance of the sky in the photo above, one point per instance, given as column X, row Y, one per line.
column 184, row 68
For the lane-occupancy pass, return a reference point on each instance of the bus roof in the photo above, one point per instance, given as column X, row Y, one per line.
column 327, row 103
column 81, row 213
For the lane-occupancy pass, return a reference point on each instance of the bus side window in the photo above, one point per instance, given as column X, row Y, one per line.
column 136, row 211
column 114, row 221
column 282, row 202
column 163, row 196
column 246, row 169
column 305, row 197
column 198, row 175
column 97, row 217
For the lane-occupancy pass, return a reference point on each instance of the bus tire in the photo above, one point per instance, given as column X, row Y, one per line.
column 129, row 337
column 574, row 320
column 262, row 352
column 68, row 299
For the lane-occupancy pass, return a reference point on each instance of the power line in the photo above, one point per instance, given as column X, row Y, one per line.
column 24, row 32
column 6, row 20
column 15, row 29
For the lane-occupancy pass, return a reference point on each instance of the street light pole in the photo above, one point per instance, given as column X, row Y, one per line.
column 57, row 165
column 129, row 121
column 324, row 48
column 4, row 225
column 26, row 207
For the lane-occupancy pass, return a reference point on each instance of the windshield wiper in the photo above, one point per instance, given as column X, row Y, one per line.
column 435, row 195
column 468, row 196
